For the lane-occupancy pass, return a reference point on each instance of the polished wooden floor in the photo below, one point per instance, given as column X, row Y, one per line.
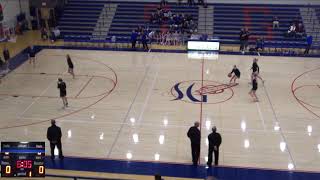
column 122, row 103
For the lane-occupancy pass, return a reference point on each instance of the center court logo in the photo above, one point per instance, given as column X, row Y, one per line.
column 197, row 91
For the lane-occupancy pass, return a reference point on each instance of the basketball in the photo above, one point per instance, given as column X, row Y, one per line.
column 229, row 75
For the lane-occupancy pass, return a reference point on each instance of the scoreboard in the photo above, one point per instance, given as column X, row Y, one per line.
column 22, row 159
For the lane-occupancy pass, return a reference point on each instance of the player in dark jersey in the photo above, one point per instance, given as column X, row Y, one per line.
column 256, row 69
column 63, row 92
column 32, row 56
column 70, row 66
column 254, row 83
column 236, row 74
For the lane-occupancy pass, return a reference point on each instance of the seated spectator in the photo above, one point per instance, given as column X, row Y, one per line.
column 52, row 37
column 201, row 2
column 292, row 31
column 190, row 2
column 44, row 34
column 19, row 29
column 56, row 32
column 275, row 22
column 259, row 44
column 163, row 3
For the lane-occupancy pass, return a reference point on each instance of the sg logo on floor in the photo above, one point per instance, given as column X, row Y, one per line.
column 197, row 91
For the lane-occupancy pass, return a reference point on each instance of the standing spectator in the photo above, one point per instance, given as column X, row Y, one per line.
column 32, row 55
column 134, row 36
column 1, row 63
column 144, row 40
column 309, row 43
column 61, row 85
column 275, row 22
column 54, row 136
column 6, row 56
column 44, row 34
column 195, row 137
column 244, row 38
column 214, row 144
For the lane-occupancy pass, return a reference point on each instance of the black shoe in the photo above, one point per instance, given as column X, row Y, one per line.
column 195, row 164
column 209, row 164
column 52, row 157
column 61, row 157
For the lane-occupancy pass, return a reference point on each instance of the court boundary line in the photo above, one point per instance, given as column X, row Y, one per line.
column 293, row 89
column 115, row 82
column 83, row 88
column 128, row 112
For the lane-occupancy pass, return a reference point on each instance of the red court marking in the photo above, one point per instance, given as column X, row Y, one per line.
column 202, row 71
column 304, row 102
column 222, row 101
column 52, row 74
column 295, row 96
column 115, row 82
column 84, row 86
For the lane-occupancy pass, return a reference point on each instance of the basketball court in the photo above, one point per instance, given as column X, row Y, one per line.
column 139, row 106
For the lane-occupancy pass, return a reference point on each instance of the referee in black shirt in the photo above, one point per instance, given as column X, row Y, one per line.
column 54, row 136
column 195, row 137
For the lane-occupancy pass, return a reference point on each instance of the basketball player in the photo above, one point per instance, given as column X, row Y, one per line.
column 32, row 56
column 254, row 87
column 236, row 74
column 63, row 92
column 70, row 66
column 255, row 69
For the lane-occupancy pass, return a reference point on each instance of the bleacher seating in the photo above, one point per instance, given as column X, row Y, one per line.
column 230, row 18
column 79, row 18
column 131, row 15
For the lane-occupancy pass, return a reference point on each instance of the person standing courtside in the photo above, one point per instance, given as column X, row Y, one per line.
column 54, row 136
column 195, row 137
column 32, row 55
column 214, row 144
column 63, row 92
column 6, row 56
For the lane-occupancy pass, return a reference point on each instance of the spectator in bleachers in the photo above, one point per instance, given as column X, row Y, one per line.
column 56, row 32
column 259, row 44
column 300, row 31
column 292, row 31
column 144, row 40
column 244, row 38
column 309, row 44
column 275, row 22
column 6, row 56
column 201, row 2
column 191, row 2
column 44, row 34
column 134, row 36
column 52, row 37
column 163, row 3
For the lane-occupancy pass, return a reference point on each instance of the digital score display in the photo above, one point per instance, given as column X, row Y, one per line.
column 22, row 159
